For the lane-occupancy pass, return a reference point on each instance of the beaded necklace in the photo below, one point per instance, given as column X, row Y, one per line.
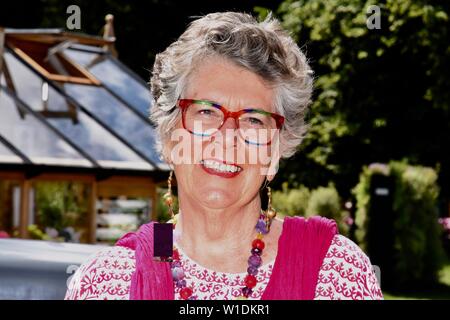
column 254, row 262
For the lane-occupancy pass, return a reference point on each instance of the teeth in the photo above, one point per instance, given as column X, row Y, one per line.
column 220, row 166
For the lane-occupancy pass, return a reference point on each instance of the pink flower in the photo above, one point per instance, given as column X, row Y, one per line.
column 445, row 222
column 4, row 235
column 348, row 220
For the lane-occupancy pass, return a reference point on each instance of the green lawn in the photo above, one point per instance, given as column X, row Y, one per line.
column 442, row 291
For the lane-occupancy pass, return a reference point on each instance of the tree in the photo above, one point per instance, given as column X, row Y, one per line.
column 381, row 94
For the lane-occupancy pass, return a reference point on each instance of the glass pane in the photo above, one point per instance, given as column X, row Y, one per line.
column 31, row 88
column 33, row 138
column 98, row 142
column 83, row 58
column 7, row 156
column 116, row 79
column 87, row 133
column 117, row 116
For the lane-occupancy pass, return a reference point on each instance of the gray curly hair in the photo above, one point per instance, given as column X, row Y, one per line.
column 261, row 47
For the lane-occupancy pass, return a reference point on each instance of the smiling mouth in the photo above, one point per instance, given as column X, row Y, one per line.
column 220, row 168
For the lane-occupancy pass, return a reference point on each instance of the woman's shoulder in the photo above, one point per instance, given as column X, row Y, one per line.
column 347, row 273
column 104, row 275
column 342, row 247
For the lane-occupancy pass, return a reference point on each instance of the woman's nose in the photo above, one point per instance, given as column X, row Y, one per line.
column 229, row 132
column 230, row 123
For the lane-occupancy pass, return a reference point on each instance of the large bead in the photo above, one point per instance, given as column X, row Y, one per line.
column 261, row 227
column 254, row 261
column 258, row 244
column 271, row 213
column 185, row 293
column 168, row 198
column 250, row 281
column 181, row 283
column 246, row 292
column 177, row 273
column 176, row 264
column 252, row 270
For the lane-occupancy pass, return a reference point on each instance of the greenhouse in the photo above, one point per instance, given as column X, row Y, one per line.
column 77, row 151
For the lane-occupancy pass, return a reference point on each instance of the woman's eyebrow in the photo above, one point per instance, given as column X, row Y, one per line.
column 242, row 107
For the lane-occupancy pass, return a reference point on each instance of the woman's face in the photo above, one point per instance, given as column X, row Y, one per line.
column 202, row 179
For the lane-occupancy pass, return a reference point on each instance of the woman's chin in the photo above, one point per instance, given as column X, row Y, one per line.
column 217, row 198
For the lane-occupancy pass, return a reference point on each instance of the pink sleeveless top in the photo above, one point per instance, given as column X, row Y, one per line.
column 302, row 247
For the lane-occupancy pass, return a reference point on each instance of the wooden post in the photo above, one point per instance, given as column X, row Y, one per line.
column 24, row 208
column 92, row 214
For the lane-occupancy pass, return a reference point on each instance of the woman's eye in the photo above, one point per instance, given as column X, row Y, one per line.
column 205, row 112
column 255, row 121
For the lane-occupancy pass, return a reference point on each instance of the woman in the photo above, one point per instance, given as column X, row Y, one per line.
column 230, row 97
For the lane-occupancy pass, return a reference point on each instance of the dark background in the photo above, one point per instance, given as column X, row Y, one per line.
column 143, row 28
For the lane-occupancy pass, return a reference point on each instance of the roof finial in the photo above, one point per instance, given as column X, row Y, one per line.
column 108, row 34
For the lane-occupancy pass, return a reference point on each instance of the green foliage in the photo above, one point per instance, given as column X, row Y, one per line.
column 324, row 201
column 417, row 252
column 374, row 88
column 292, row 202
column 362, row 195
column 36, row 233
column 417, row 241
column 61, row 204
column 301, row 201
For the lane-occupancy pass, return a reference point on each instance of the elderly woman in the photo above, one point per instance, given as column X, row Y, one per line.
column 230, row 97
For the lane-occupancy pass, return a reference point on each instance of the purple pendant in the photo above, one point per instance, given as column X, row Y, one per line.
column 181, row 283
column 254, row 261
column 252, row 270
column 177, row 273
column 246, row 292
column 261, row 226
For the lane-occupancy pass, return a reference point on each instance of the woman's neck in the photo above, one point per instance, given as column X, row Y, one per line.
column 212, row 236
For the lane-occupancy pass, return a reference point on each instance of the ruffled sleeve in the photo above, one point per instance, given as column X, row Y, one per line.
column 106, row 275
column 347, row 274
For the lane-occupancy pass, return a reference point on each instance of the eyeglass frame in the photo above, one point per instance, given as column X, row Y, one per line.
column 185, row 103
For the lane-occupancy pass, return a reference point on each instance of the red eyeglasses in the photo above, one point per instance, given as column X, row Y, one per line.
column 204, row 118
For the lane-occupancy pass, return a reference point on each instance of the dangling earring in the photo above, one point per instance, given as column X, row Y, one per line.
column 270, row 212
column 168, row 197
